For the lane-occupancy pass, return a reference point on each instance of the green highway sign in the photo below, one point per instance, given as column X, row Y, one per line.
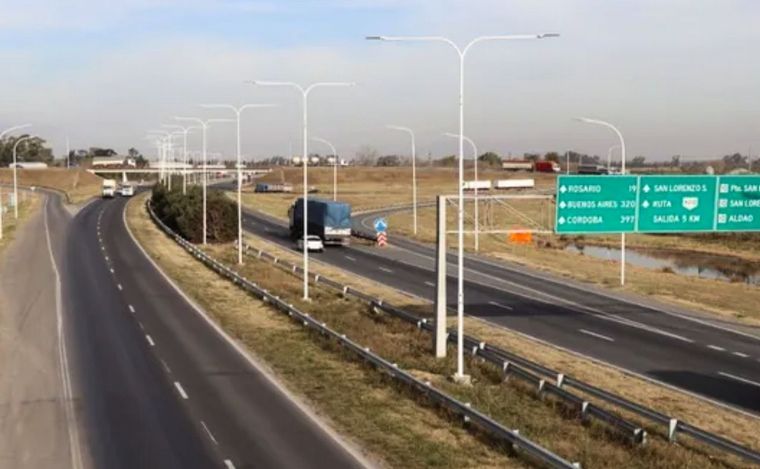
column 657, row 204
column 669, row 204
column 596, row 204
column 738, row 203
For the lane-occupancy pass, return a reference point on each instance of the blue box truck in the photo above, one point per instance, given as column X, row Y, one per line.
column 328, row 219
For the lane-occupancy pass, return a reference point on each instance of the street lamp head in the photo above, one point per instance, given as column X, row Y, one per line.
column 547, row 35
column 583, row 119
column 375, row 38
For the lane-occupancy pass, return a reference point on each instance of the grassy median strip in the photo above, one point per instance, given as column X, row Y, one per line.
column 355, row 400
column 540, row 421
column 722, row 421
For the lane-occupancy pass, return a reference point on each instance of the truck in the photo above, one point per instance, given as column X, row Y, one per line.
column 108, row 188
column 273, row 187
column 328, row 219
column 479, row 185
column 592, row 169
column 546, row 167
column 517, row 165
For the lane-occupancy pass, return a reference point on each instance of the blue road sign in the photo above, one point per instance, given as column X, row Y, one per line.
column 381, row 225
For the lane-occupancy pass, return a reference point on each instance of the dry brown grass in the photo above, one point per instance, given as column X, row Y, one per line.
column 367, row 188
column 30, row 204
column 735, row 301
column 683, row 406
column 78, row 184
column 389, row 426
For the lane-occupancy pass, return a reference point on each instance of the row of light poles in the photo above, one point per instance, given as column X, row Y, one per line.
column 15, row 177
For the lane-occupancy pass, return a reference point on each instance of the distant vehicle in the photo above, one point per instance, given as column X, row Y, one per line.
column 313, row 243
column 108, row 188
column 546, row 167
column 28, row 165
column 479, row 185
column 515, row 184
column 517, row 165
column 126, row 190
column 273, row 187
column 329, row 220
column 592, row 169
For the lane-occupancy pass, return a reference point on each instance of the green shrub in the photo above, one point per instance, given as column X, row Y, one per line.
column 184, row 213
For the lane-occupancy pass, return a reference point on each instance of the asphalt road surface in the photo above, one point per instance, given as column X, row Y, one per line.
column 682, row 350
column 154, row 384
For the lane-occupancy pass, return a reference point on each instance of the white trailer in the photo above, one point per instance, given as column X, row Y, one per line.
column 479, row 185
column 515, row 184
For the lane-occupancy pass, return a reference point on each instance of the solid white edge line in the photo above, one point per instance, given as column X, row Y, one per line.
column 180, row 390
column 740, row 379
column 259, row 367
column 65, row 373
column 594, row 334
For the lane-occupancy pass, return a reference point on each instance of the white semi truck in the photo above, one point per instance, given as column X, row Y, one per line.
column 109, row 188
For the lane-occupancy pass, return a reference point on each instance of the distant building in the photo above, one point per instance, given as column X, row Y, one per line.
column 28, row 165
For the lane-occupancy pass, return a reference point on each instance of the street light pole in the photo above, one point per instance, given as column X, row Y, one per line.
column 305, row 127
column 15, row 181
column 238, row 111
column 335, row 165
column 414, row 171
column 184, row 131
column 204, row 126
column 609, row 156
column 622, row 171
column 461, row 52
column 475, row 158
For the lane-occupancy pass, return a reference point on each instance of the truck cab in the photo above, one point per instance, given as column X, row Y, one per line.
column 108, row 190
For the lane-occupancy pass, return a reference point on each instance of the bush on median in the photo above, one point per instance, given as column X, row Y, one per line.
column 184, row 213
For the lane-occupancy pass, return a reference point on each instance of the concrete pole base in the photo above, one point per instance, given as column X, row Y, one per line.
column 465, row 380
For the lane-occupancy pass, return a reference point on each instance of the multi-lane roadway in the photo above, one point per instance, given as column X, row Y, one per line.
column 699, row 356
column 149, row 379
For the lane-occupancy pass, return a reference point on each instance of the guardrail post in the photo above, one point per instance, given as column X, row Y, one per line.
column 672, row 428
column 560, row 379
column 439, row 338
column 505, row 371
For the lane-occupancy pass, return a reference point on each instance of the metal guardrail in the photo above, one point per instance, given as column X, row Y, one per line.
column 468, row 414
column 553, row 382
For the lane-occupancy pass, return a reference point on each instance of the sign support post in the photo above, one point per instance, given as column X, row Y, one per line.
column 439, row 338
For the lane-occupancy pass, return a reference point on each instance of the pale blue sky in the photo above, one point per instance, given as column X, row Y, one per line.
column 676, row 76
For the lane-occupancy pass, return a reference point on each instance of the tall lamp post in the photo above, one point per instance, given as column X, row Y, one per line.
column 204, row 126
column 414, row 171
column 609, row 157
column 12, row 129
column 586, row 120
column 461, row 52
column 15, row 180
column 475, row 159
column 305, row 91
column 335, row 164
column 183, row 131
column 238, row 111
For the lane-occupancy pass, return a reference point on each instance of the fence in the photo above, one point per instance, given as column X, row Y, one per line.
column 467, row 413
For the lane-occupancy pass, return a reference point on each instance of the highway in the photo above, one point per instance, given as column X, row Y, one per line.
column 155, row 384
column 680, row 350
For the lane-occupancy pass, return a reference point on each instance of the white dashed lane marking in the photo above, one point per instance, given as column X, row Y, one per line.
column 715, row 347
column 150, row 340
column 430, row 284
column 499, row 305
column 350, row 258
column 740, row 379
column 742, row 355
column 385, row 270
column 598, row 336
column 180, row 390
column 131, row 309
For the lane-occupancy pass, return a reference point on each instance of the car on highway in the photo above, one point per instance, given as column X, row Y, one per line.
column 313, row 243
column 126, row 190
